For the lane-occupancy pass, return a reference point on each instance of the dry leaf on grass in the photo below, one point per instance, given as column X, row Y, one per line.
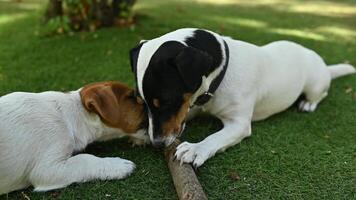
column 348, row 90
column 234, row 176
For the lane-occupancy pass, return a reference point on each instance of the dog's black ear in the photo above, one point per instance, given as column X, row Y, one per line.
column 134, row 52
column 192, row 65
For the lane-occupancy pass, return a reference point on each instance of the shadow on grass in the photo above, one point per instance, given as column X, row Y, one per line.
column 32, row 58
column 233, row 19
column 9, row 7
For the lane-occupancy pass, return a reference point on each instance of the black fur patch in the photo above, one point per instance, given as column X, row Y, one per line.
column 208, row 43
column 134, row 52
column 162, row 81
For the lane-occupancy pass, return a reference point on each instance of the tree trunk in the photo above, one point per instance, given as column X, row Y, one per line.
column 105, row 14
column 54, row 9
column 87, row 15
column 120, row 6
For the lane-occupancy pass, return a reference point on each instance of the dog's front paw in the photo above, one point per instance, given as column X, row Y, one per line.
column 141, row 138
column 139, row 141
column 118, row 168
column 195, row 153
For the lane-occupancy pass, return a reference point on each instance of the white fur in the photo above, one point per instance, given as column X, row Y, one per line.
column 38, row 134
column 259, row 82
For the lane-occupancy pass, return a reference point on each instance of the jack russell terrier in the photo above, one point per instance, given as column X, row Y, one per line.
column 189, row 71
column 39, row 132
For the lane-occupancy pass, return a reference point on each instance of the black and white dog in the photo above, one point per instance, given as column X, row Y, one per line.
column 189, row 70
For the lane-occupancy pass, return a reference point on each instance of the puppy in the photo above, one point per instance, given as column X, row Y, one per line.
column 39, row 132
column 190, row 71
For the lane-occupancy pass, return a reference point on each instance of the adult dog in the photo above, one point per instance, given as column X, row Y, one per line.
column 189, row 70
column 39, row 132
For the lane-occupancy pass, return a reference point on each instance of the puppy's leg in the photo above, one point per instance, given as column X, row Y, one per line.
column 139, row 139
column 314, row 93
column 237, row 126
column 79, row 168
column 311, row 102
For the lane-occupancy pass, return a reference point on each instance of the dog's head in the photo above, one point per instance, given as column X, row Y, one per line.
column 116, row 105
column 168, row 73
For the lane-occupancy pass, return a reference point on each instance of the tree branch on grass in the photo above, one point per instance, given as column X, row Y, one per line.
column 185, row 181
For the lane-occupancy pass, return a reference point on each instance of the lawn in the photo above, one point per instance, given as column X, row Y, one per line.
column 291, row 155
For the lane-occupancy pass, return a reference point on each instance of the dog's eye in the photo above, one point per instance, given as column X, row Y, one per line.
column 156, row 103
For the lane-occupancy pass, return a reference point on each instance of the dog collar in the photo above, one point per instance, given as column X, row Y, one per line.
column 206, row 96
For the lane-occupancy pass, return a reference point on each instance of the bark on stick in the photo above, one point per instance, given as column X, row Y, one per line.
column 185, row 181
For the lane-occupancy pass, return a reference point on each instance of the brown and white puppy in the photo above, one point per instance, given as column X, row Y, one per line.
column 39, row 132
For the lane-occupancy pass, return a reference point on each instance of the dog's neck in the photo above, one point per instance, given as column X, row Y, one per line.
column 204, row 87
column 211, row 83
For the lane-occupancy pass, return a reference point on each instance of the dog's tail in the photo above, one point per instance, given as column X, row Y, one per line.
column 341, row 70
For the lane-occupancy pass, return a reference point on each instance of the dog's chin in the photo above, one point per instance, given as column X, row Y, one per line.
column 168, row 140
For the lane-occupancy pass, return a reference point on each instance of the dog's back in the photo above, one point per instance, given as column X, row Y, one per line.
column 31, row 122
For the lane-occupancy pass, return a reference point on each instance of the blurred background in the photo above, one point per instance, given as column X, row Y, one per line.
column 65, row 44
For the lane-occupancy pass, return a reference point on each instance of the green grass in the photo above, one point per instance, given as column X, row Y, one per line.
column 290, row 156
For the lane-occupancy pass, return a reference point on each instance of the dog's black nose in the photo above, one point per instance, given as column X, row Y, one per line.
column 158, row 143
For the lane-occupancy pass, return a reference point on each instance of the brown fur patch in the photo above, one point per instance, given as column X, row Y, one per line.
column 115, row 104
column 156, row 103
column 173, row 125
column 139, row 100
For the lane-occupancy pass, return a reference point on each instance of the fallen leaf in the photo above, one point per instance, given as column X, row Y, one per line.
column 348, row 90
column 234, row 176
column 221, row 29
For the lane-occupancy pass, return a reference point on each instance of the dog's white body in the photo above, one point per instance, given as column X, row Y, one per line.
column 259, row 82
column 38, row 134
column 269, row 79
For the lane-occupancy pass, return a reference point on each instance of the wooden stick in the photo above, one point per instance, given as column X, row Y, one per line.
column 185, row 181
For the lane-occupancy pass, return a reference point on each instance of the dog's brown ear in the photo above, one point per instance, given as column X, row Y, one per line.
column 116, row 105
column 101, row 99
